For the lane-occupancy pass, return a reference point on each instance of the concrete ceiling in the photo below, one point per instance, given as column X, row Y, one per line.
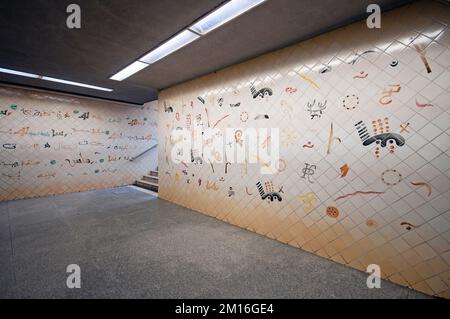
column 34, row 38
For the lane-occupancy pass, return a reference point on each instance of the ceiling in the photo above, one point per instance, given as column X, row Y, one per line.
column 34, row 38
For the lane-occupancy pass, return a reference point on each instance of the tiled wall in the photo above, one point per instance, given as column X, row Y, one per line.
column 344, row 197
column 53, row 144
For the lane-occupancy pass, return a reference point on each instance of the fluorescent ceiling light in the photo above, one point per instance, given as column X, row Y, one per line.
column 215, row 19
column 177, row 42
column 225, row 13
column 28, row 75
column 47, row 78
column 134, row 67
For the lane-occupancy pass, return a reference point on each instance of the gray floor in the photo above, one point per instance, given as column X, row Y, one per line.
column 132, row 245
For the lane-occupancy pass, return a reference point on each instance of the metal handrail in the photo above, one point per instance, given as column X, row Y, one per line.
column 147, row 150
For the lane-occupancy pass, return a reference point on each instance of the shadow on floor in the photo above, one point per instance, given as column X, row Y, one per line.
column 130, row 244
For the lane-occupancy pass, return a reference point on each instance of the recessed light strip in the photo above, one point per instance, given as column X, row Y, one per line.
column 134, row 67
column 177, row 42
column 47, row 78
column 213, row 20
column 28, row 75
column 223, row 14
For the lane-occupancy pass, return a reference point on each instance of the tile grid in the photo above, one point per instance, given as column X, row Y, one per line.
column 105, row 138
column 347, row 239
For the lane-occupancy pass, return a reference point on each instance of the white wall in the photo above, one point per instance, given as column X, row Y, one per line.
column 53, row 144
column 392, row 207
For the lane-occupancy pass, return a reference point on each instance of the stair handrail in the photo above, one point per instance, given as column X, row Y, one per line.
column 147, row 150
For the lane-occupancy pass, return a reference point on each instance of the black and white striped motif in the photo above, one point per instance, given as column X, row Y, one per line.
column 260, row 189
column 253, row 90
column 362, row 131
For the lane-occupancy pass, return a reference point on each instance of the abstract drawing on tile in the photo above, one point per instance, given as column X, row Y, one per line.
column 52, row 144
column 363, row 170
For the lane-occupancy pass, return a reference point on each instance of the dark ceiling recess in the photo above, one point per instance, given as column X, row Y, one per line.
column 34, row 38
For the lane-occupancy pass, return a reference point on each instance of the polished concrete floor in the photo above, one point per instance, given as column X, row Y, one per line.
column 130, row 244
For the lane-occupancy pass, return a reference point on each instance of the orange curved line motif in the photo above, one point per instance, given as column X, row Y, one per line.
column 221, row 120
column 359, row 192
column 427, row 185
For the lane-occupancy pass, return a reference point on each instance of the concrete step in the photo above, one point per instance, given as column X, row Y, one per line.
column 150, row 178
column 147, row 185
column 154, row 173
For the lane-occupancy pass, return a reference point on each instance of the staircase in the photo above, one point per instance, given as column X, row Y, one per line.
column 149, row 181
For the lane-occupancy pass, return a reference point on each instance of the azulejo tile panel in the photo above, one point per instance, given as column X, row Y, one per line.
column 363, row 116
column 52, row 144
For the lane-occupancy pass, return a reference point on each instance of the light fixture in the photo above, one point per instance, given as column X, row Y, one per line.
column 213, row 20
column 134, row 67
column 223, row 14
column 173, row 44
column 177, row 42
column 47, row 78
column 28, row 75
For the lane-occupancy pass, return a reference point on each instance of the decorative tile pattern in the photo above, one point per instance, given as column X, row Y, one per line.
column 364, row 127
column 53, row 144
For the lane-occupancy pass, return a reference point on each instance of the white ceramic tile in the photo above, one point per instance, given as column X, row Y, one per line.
column 417, row 110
